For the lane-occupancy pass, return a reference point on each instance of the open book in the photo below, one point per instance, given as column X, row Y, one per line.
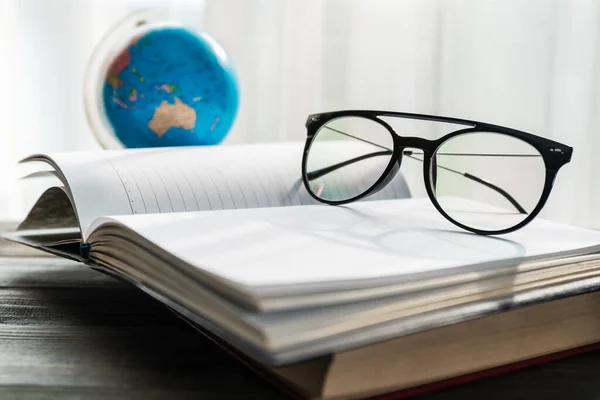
column 89, row 185
column 228, row 237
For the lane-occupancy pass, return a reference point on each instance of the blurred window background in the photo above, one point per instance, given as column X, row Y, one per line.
column 531, row 65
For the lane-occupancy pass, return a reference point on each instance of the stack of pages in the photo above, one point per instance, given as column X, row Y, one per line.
column 332, row 302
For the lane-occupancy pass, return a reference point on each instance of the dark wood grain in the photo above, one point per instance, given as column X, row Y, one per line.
column 69, row 332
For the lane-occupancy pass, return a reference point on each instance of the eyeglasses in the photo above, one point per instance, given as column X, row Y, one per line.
column 483, row 178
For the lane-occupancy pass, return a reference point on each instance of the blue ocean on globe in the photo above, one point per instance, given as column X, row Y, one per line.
column 169, row 87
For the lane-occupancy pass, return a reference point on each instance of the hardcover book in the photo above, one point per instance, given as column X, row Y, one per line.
column 331, row 302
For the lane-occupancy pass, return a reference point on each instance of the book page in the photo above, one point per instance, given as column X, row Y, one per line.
column 166, row 180
column 299, row 247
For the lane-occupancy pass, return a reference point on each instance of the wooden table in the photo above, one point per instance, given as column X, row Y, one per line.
column 69, row 332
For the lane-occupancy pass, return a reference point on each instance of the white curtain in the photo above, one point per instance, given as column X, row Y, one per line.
column 530, row 65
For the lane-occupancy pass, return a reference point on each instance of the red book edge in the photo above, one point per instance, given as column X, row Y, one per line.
column 463, row 379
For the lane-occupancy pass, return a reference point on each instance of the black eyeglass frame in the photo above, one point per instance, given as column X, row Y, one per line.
column 554, row 154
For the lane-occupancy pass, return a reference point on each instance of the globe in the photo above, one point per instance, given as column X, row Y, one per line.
column 168, row 86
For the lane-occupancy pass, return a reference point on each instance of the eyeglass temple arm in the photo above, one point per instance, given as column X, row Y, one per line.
column 477, row 179
column 324, row 171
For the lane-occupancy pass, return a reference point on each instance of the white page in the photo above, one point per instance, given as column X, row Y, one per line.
column 303, row 245
column 166, row 180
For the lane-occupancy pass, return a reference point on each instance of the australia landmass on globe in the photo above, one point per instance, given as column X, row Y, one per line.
column 167, row 116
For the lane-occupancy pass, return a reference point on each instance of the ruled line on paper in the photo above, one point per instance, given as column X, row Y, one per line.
column 177, row 173
column 143, row 173
column 123, row 182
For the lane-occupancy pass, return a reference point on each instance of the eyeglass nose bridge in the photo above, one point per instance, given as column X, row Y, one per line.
column 403, row 142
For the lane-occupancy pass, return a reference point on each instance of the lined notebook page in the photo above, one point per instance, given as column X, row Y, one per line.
column 149, row 181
